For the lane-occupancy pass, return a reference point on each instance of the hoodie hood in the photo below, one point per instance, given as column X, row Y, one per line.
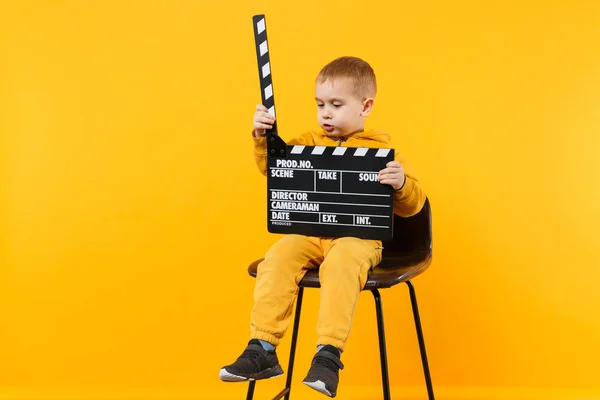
column 372, row 134
column 361, row 139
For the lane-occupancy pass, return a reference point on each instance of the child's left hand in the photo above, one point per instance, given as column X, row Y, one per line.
column 392, row 175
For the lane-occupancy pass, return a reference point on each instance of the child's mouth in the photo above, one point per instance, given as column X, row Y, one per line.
column 328, row 127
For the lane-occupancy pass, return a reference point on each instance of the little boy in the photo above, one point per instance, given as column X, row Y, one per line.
column 345, row 91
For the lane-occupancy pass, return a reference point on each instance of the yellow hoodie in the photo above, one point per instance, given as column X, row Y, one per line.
column 408, row 200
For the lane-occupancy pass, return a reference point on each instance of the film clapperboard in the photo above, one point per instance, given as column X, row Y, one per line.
column 321, row 190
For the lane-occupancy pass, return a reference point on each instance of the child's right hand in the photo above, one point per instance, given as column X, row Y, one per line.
column 262, row 120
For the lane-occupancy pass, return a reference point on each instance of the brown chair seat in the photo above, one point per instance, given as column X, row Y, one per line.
column 392, row 270
column 405, row 256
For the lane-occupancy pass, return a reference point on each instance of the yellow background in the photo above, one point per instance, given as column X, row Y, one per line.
column 130, row 205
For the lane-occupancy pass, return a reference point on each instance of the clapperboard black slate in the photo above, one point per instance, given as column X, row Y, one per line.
column 330, row 191
column 321, row 190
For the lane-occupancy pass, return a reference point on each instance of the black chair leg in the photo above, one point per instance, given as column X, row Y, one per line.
column 250, row 390
column 288, row 382
column 382, row 348
column 415, row 308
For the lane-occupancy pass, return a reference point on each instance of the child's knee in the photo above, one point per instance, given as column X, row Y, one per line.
column 287, row 246
column 347, row 270
column 356, row 251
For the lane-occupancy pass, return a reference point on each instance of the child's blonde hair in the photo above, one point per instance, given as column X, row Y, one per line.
column 361, row 73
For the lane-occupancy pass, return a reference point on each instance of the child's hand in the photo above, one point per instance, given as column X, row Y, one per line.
column 262, row 120
column 392, row 175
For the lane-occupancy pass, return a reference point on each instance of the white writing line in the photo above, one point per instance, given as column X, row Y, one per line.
column 330, row 223
column 352, row 194
column 333, row 213
column 330, row 170
column 332, row 202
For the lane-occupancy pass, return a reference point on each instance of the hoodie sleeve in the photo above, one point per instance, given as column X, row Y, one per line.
column 260, row 148
column 409, row 200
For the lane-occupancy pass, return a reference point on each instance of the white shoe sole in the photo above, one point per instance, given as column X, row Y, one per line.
column 319, row 387
column 229, row 377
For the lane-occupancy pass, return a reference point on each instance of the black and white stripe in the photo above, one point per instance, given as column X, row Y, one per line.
column 339, row 151
column 264, row 65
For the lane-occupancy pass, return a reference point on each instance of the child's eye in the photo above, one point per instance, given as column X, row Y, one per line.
column 337, row 105
column 320, row 105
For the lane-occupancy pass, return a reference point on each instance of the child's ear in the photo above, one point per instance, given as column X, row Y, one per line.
column 367, row 107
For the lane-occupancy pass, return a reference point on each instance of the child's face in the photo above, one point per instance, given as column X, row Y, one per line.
column 339, row 110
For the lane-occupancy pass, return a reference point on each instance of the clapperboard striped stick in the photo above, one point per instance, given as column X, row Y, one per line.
column 321, row 190
column 276, row 145
column 340, row 151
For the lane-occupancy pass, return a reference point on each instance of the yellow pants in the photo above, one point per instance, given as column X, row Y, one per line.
column 344, row 265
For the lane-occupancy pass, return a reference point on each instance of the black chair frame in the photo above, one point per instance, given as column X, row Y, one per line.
column 405, row 256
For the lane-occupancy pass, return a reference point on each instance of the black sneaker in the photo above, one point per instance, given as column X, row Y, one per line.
column 255, row 363
column 323, row 374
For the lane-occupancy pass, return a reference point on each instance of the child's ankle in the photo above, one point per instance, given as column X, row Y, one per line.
column 266, row 345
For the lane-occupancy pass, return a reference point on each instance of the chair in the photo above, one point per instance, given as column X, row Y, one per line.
column 405, row 256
